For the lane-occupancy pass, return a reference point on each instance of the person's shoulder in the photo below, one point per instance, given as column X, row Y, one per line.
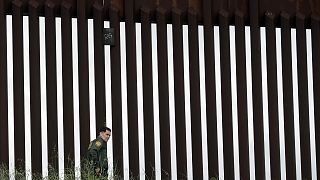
column 96, row 144
column 91, row 144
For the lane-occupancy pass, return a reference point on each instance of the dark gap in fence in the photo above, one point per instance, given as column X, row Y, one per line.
column 179, row 94
column 163, row 93
column 315, row 29
column 148, row 112
column 224, row 30
column 210, row 90
column 51, row 69
column 242, row 95
column 272, row 95
column 18, row 83
column 67, row 75
column 194, row 75
column 4, row 154
column 99, row 66
column 257, row 89
column 116, row 92
column 131, row 88
column 288, row 95
column 83, row 77
column 303, row 97
column 35, row 94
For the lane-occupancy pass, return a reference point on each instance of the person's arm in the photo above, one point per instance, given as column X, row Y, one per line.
column 93, row 155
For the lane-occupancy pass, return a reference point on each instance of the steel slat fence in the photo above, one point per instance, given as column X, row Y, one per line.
column 315, row 33
column 162, row 64
column 273, row 107
column 288, row 96
column 35, row 100
column 225, row 72
column 82, row 25
column 179, row 94
column 195, row 94
column 257, row 90
column 242, row 96
column 99, row 66
column 148, row 112
column 210, row 89
column 116, row 90
column 268, row 125
column 4, row 85
column 67, row 74
column 18, row 83
column 303, row 97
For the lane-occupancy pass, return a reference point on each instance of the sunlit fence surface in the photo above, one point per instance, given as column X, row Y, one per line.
column 184, row 101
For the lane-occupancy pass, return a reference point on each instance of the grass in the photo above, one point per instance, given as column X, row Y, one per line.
column 53, row 173
column 69, row 173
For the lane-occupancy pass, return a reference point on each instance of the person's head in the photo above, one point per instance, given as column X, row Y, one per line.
column 105, row 133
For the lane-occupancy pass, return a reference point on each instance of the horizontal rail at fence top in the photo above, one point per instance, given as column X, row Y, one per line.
column 166, row 7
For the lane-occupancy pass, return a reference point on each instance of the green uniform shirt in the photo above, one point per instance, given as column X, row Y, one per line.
column 97, row 155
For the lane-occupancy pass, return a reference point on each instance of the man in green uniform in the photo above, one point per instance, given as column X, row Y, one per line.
column 97, row 153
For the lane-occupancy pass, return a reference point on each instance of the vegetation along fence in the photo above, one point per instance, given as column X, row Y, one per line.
column 191, row 89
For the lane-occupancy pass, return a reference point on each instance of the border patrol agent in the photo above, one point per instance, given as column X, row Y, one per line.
column 97, row 153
